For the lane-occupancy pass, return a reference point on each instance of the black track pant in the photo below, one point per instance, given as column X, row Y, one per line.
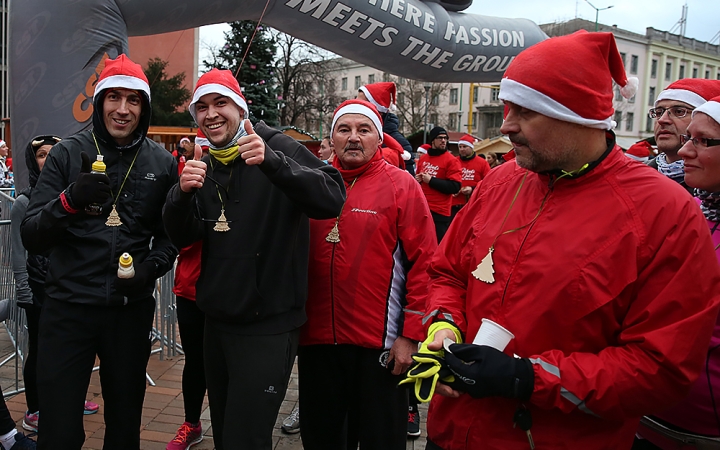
column 247, row 377
column 71, row 335
column 191, row 322
column 442, row 223
column 347, row 397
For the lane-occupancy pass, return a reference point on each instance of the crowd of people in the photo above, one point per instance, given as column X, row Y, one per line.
column 379, row 269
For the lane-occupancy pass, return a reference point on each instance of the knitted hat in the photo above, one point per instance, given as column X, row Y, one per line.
column 201, row 139
column 121, row 72
column 693, row 91
column 435, row 132
column 711, row 108
column 423, row 149
column 382, row 95
column 218, row 82
column 640, row 151
column 569, row 78
column 355, row 106
column 467, row 140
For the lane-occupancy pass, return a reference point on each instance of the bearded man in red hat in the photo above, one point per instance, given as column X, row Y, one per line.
column 248, row 201
column 84, row 221
column 474, row 169
column 366, row 300
column 567, row 249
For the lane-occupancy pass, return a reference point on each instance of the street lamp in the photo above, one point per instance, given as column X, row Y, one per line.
column 427, row 87
column 597, row 12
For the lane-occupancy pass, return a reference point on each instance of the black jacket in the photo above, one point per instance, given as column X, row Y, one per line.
column 83, row 251
column 253, row 278
column 391, row 126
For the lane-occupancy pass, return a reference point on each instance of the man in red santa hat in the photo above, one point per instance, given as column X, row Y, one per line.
column 474, row 169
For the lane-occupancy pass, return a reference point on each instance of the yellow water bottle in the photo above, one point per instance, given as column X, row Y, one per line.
column 95, row 209
column 125, row 266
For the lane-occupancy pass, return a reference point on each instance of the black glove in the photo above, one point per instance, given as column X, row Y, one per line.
column 145, row 275
column 483, row 371
column 89, row 188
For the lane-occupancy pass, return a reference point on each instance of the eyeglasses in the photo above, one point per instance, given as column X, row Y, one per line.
column 677, row 111
column 699, row 142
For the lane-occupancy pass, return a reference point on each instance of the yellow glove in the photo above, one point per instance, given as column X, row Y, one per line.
column 430, row 365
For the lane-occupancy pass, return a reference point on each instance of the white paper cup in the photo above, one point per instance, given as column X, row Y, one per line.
column 493, row 335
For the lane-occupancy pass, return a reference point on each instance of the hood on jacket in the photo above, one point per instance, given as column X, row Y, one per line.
column 30, row 152
column 100, row 129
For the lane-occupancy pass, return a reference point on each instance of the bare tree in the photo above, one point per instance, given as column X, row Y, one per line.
column 304, row 74
column 411, row 103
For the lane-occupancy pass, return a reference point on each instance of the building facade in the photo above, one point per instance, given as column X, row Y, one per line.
column 4, row 84
column 656, row 58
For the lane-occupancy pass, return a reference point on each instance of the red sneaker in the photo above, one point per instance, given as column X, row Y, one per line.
column 186, row 437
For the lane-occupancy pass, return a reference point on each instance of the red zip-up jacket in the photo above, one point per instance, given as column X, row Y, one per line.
column 371, row 286
column 611, row 291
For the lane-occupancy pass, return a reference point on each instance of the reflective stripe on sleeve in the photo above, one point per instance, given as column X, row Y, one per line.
column 432, row 314
column 567, row 395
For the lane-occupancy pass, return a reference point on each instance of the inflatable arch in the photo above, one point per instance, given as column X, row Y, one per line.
column 58, row 47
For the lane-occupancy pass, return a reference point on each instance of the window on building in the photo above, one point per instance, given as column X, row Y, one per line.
column 624, row 58
column 386, row 77
column 632, row 99
column 707, row 74
column 475, row 93
column 401, row 81
column 343, row 84
column 668, row 71
column 433, row 120
column 629, row 119
column 495, row 94
column 358, row 82
column 682, row 73
column 633, row 64
column 649, row 124
column 618, row 118
column 452, row 121
column 651, row 96
column 653, row 68
column 371, row 78
column 453, row 96
column 435, row 100
column 401, row 98
column 695, row 72
column 618, row 94
column 475, row 118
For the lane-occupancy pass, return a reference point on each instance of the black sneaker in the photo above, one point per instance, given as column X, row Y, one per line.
column 22, row 442
column 413, row 421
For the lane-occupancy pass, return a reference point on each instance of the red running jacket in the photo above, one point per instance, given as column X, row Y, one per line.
column 612, row 293
column 371, row 286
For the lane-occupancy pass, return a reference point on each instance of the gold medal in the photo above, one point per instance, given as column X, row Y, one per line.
column 334, row 235
column 113, row 219
column 222, row 224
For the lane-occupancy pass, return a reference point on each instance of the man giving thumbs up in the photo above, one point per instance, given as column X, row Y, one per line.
column 248, row 201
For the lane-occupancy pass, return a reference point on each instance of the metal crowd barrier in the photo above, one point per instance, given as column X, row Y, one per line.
column 164, row 334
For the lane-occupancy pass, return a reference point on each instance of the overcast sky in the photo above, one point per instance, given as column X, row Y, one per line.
column 635, row 15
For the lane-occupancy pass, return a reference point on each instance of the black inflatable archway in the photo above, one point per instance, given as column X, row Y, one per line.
column 58, row 47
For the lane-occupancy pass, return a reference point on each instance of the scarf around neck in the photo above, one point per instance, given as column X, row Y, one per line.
column 674, row 170
column 229, row 152
column 709, row 204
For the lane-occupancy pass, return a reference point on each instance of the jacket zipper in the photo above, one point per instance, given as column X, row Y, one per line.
column 332, row 293
column 113, row 247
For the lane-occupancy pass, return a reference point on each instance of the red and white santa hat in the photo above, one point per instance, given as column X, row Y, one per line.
column 355, row 106
column 640, row 151
column 423, row 149
column 711, row 108
column 382, row 95
column 693, row 91
column 121, row 72
column 569, row 78
column 2, row 143
column 467, row 140
column 221, row 82
column 201, row 139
